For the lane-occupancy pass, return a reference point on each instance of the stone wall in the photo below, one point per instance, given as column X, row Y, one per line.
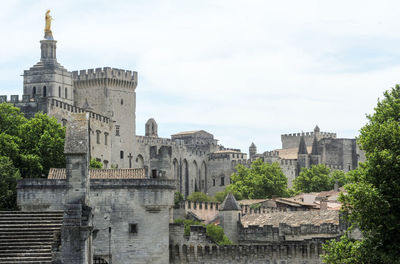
column 261, row 234
column 131, row 219
column 287, row 252
column 293, row 140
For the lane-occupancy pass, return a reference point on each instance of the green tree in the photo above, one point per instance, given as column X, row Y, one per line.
column 8, row 183
column 44, row 138
column 261, row 180
column 314, row 179
column 200, row 197
column 220, row 196
column 372, row 202
column 94, row 164
column 216, row 233
column 30, row 147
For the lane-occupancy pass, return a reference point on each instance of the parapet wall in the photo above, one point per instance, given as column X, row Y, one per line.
column 269, row 233
column 75, row 109
column 106, row 72
column 15, row 99
column 293, row 140
column 294, row 252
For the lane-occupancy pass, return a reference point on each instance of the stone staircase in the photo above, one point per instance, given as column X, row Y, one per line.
column 29, row 237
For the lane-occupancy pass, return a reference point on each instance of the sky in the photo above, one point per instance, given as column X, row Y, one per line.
column 245, row 71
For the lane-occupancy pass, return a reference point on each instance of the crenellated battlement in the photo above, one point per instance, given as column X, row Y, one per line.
column 159, row 141
column 271, row 154
column 247, row 210
column 270, row 233
column 106, row 72
column 308, row 134
column 75, row 109
column 26, row 98
column 287, row 162
column 105, row 76
column 307, row 251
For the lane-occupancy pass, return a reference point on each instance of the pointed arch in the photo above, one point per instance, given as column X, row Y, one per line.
column 203, row 176
column 139, row 162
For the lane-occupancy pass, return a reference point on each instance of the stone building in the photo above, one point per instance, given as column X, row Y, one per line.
column 193, row 158
column 302, row 150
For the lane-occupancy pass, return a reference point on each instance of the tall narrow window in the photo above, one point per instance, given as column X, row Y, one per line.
column 222, row 181
column 34, row 91
column 105, row 138
column 66, row 93
column 117, row 130
column 121, row 154
column 98, row 136
column 44, row 91
column 59, row 91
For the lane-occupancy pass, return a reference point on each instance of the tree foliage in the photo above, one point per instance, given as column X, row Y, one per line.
column 318, row 178
column 200, row 197
column 27, row 147
column 94, row 164
column 261, row 180
column 8, row 183
column 372, row 202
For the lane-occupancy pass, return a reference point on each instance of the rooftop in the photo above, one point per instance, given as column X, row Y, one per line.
column 60, row 174
column 295, row 218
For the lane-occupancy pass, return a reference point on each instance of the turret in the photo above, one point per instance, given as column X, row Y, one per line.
column 151, row 128
column 315, row 157
column 252, row 150
column 229, row 217
column 302, row 155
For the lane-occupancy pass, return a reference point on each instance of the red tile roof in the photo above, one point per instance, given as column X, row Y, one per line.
column 57, row 173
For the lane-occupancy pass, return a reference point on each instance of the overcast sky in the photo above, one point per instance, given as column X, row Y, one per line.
column 242, row 70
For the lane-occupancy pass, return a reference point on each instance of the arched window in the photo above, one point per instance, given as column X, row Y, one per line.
column 44, row 91
column 66, row 93
column 59, row 91
column 34, row 90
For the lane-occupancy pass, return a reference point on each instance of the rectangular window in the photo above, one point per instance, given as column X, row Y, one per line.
column 154, row 174
column 133, row 228
column 222, row 181
column 121, row 154
column 98, row 136
column 117, row 130
column 213, row 182
column 105, row 138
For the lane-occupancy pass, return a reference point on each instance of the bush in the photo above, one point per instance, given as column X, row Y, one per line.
column 216, row 233
column 94, row 164
column 200, row 197
column 187, row 223
column 178, row 198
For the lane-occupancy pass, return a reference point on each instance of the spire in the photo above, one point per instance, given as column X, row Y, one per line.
column 316, row 129
column 252, row 145
column 302, row 145
column 230, row 204
column 314, row 150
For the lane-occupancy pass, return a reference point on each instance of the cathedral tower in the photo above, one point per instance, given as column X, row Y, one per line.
column 48, row 78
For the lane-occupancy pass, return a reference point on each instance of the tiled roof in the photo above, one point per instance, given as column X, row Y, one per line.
column 187, row 133
column 295, row 218
column 56, row 173
column 290, row 153
column 250, row 202
column 226, row 151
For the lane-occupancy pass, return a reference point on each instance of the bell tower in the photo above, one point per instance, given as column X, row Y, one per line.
column 48, row 78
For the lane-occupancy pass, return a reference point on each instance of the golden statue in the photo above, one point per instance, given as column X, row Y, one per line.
column 47, row 28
